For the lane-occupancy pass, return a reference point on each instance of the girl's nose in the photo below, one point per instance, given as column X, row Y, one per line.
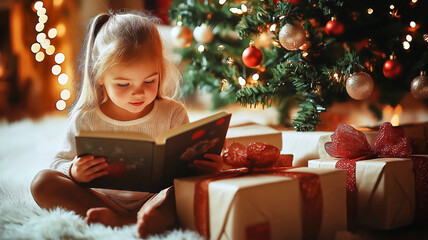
column 138, row 91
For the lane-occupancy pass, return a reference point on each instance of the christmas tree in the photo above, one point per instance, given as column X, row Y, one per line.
column 308, row 54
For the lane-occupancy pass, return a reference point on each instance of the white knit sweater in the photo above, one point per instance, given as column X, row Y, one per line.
column 166, row 114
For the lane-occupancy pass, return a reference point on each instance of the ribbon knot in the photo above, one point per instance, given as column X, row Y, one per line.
column 349, row 143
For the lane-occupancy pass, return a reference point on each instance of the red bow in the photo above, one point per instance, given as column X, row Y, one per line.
column 349, row 143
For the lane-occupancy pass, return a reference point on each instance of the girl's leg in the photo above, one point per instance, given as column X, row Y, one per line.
column 51, row 189
column 157, row 214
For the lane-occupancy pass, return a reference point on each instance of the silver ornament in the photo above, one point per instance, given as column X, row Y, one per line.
column 419, row 86
column 359, row 85
column 292, row 36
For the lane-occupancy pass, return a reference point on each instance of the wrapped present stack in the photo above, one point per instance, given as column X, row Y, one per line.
column 386, row 184
column 259, row 199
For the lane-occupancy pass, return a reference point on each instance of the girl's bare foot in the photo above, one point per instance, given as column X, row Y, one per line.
column 158, row 214
column 108, row 217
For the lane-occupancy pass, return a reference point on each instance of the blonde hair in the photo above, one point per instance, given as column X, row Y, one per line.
column 117, row 38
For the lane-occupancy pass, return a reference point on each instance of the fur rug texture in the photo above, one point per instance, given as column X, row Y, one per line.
column 26, row 147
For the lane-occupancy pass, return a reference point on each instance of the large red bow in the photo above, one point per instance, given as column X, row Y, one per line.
column 349, row 143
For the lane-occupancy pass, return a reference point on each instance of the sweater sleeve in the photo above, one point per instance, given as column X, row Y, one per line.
column 63, row 159
column 179, row 117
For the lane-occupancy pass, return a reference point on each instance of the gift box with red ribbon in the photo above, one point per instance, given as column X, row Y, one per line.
column 386, row 185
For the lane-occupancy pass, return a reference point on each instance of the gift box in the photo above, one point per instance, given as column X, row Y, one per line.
column 265, row 206
column 385, row 191
column 383, row 177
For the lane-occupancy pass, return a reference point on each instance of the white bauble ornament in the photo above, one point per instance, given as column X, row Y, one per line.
column 182, row 36
column 203, row 34
column 292, row 36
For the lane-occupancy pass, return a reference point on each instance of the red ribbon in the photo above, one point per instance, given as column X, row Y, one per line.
column 351, row 145
column 310, row 188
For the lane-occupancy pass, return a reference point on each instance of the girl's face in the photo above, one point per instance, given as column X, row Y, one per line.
column 131, row 89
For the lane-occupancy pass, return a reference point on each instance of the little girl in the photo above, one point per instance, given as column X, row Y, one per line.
column 125, row 85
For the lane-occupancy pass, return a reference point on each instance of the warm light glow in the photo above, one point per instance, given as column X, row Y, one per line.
column 336, row 76
column 406, row 45
column 236, row 10
column 40, row 37
column 41, row 12
column 305, row 54
column 220, row 47
column 272, row 27
column 412, row 24
column 229, row 60
column 1, row 71
column 244, row 8
column 392, row 115
column 46, row 43
column 43, row 18
column 60, row 105
column 61, row 29
column 370, row 10
column 56, row 69
column 52, row 33
column 40, row 56
column 391, row 7
column 65, row 94
column 50, row 50
column 256, row 76
column 201, row 48
column 414, row 1
column 425, row 37
column 35, row 47
column 59, row 58
column 242, row 81
column 40, row 27
column 38, row 5
column 63, row 79
column 57, row 3
column 409, row 38
column 221, row 2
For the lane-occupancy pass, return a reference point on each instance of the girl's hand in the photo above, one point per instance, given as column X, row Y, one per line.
column 87, row 168
column 207, row 166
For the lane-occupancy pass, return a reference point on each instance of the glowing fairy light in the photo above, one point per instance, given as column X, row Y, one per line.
column 242, row 81
column 409, row 38
column 40, row 27
column 406, row 45
column 244, row 8
column 41, row 12
column 201, row 48
column 255, row 76
column 35, row 47
column 425, row 37
column 60, row 105
column 56, row 69
column 46, row 43
column 414, row 1
column 38, row 5
column 58, row 3
column 220, row 47
column 391, row 7
column 370, row 10
column 52, row 33
column 59, row 58
column 63, row 79
column 412, row 24
column 61, row 29
column 40, row 37
column 50, row 50
column 229, row 60
column 221, row 2
column 65, row 94
column 40, row 56
column 272, row 27
column 43, row 18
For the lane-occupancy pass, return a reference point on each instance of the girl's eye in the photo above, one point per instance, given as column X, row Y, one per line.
column 123, row 85
column 148, row 82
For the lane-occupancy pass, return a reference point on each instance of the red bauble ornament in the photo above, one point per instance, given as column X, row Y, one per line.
column 392, row 68
column 252, row 56
column 334, row 28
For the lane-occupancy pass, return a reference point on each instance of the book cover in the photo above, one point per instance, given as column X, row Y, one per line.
column 139, row 163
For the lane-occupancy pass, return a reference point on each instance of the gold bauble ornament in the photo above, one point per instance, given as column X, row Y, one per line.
column 359, row 85
column 203, row 33
column 182, row 36
column 419, row 86
column 292, row 36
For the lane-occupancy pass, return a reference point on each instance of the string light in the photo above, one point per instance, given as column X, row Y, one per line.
column 201, row 48
column 46, row 43
column 229, row 60
column 412, row 24
column 56, row 69
column 41, row 12
column 40, row 56
column 40, row 27
column 52, row 33
column 65, row 94
column 370, row 10
column 242, row 81
column 391, row 7
column 57, row 3
column 50, row 50
column 409, row 38
column 244, row 8
column 220, row 47
column 414, row 1
column 59, row 58
column 40, row 37
column 60, row 105
column 255, row 76
column 43, row 18
column 35, row 47
column 406, row 45
column 221, row 2
column 273, row 27
column 63, row 79
column 425, row 37
column 61, row 29
column 38, row 5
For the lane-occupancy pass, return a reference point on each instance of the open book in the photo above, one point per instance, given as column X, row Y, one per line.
column 138, row 162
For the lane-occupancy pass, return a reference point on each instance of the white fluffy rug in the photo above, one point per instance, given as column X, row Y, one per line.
column 26, row 147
